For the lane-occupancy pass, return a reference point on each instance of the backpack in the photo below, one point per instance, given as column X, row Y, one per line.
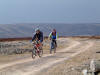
column 53, row 36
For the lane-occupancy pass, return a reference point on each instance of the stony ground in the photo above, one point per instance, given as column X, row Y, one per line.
column 73, row 55
column 75, row 65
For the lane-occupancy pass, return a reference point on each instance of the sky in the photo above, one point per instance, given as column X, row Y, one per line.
column 49, row 11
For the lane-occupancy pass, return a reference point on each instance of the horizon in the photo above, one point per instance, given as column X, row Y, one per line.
column 48, row 23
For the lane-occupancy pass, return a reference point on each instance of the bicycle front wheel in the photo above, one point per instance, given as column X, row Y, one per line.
column 33, row 53
column 41, row 53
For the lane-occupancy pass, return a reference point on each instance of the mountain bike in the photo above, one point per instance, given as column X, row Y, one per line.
column 37, row 49
column 53, row 46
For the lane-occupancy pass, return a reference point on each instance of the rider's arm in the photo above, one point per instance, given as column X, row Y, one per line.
column 41, row 37
column 50, row 35
column 57, row 35
column 34, row 37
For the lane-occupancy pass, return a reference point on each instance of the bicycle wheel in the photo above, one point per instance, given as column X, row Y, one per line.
column 54, row 48
column 40, row 52
column 33, row 53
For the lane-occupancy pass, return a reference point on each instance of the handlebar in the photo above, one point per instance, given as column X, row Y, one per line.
column 35, row 42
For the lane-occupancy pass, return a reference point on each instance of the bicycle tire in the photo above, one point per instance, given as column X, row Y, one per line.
column 54, row 48
column 41, row 53
column 33, row 53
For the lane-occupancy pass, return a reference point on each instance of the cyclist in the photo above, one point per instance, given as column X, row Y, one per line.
column 53, row 37
column 38, row 36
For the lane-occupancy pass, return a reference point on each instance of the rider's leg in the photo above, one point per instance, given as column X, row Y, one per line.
column 41, row 45
column 51, row 46
column 56, row 43
column 55, row 46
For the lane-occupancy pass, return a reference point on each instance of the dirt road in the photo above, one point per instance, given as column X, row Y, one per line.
column 32, row 67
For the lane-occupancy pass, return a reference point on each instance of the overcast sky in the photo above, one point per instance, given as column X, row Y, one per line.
column 50, row 11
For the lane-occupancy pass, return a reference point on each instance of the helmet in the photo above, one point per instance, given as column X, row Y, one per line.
column 54, row 30
column 37, row 29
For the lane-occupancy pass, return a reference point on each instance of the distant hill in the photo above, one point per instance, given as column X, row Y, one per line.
column 27, row 29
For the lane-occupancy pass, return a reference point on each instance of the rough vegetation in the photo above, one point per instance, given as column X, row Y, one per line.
column 20, row 47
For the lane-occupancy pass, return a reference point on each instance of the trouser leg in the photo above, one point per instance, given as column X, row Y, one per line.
column 55, row 43
column 51, row 46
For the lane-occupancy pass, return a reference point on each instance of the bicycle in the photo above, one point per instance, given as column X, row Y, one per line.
column 53, row 46
column 37, row 49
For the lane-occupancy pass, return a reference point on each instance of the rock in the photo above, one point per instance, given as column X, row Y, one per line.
column 95, row 65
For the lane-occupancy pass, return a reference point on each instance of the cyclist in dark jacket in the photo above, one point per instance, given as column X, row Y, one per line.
column 38, row 38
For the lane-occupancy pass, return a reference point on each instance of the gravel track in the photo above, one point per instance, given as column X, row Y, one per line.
column 32, row 67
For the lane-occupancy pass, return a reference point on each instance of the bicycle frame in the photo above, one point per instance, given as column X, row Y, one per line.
column 37, row 45
column 37, row 49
